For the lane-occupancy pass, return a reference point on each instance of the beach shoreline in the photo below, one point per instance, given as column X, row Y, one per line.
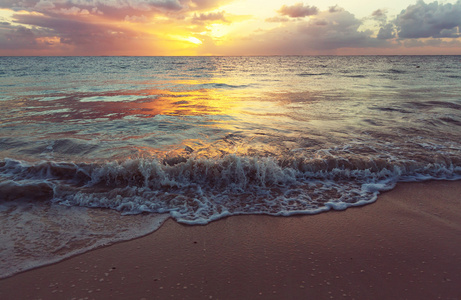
column 403, row 246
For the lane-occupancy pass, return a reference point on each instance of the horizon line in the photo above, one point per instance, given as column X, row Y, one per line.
column 273, row 55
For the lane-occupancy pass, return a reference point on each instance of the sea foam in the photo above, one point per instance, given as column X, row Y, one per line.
column 199, row 190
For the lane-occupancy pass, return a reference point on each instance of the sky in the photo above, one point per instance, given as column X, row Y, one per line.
column 229, row 27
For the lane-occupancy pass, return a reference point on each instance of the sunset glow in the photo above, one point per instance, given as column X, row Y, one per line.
column 226, row 27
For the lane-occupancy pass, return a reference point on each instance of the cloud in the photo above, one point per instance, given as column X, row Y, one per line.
column 133, row 4
column 334, row 9
column 298, row 10
column 73, row 31
column 17, row 37
column 386, row 32
column 44, row 5
column 74, row 11
column 429, row 20
column 321, row 22
column 323, row 34
column 379, row 15
column 418, row 43
column 277, row 19
column 114, row 9
column 83, row 38
column 338, row 30
column 108, row 7
column 138, row 19
column 102, row 27
column 95, row 27
column 204, row 4
column 213, row 16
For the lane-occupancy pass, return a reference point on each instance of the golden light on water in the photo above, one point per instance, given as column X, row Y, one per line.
column 189, row 103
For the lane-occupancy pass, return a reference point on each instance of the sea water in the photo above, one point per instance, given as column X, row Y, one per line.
column 95, row 150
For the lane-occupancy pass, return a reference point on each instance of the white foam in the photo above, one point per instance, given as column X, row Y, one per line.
column 199, row 190
column 37, row 234
column 191, row 190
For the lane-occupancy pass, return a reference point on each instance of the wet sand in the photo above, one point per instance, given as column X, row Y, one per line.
column 407, row 245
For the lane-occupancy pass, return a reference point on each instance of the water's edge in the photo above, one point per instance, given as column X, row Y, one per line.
column 158, row 220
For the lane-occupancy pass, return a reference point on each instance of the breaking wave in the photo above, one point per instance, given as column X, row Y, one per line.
column 199, row 190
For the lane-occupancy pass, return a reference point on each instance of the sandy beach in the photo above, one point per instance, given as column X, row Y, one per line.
column 404, row 246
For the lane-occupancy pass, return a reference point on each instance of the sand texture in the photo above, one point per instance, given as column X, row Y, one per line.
column 407, row 245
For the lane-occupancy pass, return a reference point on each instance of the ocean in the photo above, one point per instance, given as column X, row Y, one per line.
column 96, row 150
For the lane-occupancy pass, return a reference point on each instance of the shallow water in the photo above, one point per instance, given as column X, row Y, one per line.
column 199, row 138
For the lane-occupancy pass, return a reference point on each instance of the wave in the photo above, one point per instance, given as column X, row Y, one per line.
column 396, row 71
column 37, row 234
column 304, row 74
column 357, row 76
column 200, row 190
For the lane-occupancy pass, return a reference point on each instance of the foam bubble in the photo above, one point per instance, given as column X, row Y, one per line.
column 35, row 234
column 200, row 190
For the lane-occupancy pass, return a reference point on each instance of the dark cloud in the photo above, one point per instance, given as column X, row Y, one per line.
column 85, row 4
column 298, row 10
column 18, row 37
column 335, row 31
column 321, row 23
column 44, row 5
column 86, row 38
column 429, row 20
column 63, row 27
column 111, row 9
column 334, row 9
column 71, row 26
column 114, row 9
column 417, row 43
column 379, row 15
column 386, row 32
column 387, row 29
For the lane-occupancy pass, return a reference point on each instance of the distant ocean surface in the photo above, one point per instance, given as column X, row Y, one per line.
column 95, row 150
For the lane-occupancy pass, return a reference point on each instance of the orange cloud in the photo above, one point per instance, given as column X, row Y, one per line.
column 202, row 27
column 298, row 10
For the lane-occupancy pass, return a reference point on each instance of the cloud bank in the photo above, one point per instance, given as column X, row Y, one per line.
column 324, row 34
column 429, row 20
column 189, row 27
column 338, row 31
